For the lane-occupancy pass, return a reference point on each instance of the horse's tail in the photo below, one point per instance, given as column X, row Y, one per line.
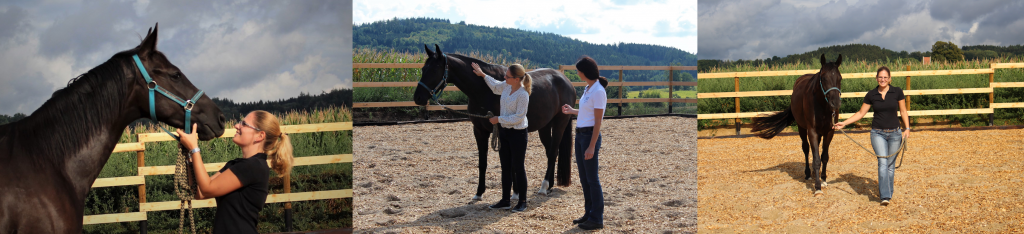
column 564, row 177
column 768, row 126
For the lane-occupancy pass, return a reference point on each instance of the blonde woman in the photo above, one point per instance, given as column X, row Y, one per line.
column 515, row 99
column 241, row 186
column 886, row 135
column 588, row 142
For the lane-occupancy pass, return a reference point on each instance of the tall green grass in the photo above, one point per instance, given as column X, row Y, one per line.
column 849, row 105
column 396, row 94
column 307, row 215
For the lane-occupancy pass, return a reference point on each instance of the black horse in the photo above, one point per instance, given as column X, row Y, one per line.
column 51, row 158
column 551, row 90
column 815, row 108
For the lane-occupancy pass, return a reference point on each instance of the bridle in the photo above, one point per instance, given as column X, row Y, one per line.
column 435, row 93
column 825, row 92
column 187, row 104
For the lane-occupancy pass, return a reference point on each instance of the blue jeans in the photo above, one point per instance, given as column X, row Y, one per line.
column 593, row 197
column 886, row 143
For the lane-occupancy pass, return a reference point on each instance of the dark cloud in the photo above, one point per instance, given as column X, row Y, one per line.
column 760, row 29
column 12, row 20
column 244, row 51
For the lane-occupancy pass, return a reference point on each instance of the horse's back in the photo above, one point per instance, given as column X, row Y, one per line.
column 800, row 100
column 551, row 89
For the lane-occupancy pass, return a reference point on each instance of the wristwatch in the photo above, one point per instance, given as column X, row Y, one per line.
column 193, row 151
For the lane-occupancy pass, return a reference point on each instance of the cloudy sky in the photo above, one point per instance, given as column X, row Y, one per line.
column 658, row 22
column 244, row 50
column 760, row 29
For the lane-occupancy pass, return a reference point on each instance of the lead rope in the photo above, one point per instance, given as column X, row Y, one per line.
column 184, row 186
column 903, row 144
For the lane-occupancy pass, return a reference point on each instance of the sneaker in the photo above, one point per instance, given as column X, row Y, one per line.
column 591, row 226
column 515, row 196
column 579, row 220
column 520, row 207
column 501, row 205
column 885, row 202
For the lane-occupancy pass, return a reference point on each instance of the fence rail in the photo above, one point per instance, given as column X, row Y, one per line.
column 907, row 91
column 140, row 180
column 562, row 68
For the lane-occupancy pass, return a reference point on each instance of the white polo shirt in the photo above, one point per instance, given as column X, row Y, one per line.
column 594, row 97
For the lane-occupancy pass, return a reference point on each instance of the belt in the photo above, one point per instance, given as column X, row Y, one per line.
column 585, row 130
column 889, row 130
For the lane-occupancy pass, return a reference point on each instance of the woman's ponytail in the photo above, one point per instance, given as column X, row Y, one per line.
column 518, row 70
column 278, row 145
column 528, row 84
column 603, row 81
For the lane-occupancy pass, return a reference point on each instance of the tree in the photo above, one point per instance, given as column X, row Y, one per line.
column 946, row 51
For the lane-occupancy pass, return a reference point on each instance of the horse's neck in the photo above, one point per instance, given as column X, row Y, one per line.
column 76, row 131
column 473, row 86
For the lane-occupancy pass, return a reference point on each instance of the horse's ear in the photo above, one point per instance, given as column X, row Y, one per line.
column 839, row 60
column 437, row 49
column 430, row 54
column 823, row 59
column 149, row 43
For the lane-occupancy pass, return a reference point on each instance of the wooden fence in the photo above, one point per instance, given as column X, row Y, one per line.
column 561, row 68
column 287, row 197
column 907, row 91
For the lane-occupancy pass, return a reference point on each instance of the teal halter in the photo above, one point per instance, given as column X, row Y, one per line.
column 435, row 93
column 186, row 104
column 825, row 92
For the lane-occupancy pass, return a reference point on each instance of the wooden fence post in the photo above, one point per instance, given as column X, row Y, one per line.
column 287, row 205
column 141, row 161
column 670, row 87
column 737, row 86
column 991, row 96
column 620, row 92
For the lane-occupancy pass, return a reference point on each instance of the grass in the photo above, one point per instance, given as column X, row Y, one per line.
column 849, row 105
column 307, row 215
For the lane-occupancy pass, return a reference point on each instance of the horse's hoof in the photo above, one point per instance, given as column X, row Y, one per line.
column 515, row 196
column 818, row 193
column 823, row 184
column 543, row 188
column 477, row 198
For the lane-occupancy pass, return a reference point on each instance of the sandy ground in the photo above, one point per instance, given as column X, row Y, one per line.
column 951, row 181
column 419, row 178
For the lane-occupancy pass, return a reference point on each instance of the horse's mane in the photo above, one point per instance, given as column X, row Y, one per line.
column 75, row 113
column 483, row 65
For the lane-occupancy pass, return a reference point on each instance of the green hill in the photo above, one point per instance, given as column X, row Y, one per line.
column 541, row 49
column 866, row 52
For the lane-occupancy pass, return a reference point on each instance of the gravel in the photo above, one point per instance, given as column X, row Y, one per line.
column 950, row 181
column 419, row 178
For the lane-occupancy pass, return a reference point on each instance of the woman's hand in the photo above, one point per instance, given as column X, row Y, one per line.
column 477, row 71
column 494, row 120
column 906, row 133
column 189, row 141
column 839, row 125
column 589, row 154
column 566, row 109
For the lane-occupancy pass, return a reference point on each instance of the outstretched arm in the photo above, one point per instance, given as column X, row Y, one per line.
column 856, row 116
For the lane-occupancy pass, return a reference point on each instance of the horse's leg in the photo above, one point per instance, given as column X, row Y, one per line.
column 481, row 147
column 564, row 140
column 807, row 153
column 824, row 156
column 550, row 150
column 816, row 165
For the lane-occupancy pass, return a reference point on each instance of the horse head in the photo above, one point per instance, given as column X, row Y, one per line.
column 434, row 76
column 203, row 112
column 831, row 82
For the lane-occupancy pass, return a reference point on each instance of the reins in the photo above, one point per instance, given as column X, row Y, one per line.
column 184, row 185
column 435, row 95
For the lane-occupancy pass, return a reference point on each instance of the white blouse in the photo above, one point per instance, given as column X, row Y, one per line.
column 593, row 98
column 513, row 105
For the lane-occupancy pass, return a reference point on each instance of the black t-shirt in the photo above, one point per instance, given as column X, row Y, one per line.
column 238, row 211
column 885, row 109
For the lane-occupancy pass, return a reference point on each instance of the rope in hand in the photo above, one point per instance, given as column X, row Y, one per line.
column 903, row 144
column 185, row 187
column 495, row 145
